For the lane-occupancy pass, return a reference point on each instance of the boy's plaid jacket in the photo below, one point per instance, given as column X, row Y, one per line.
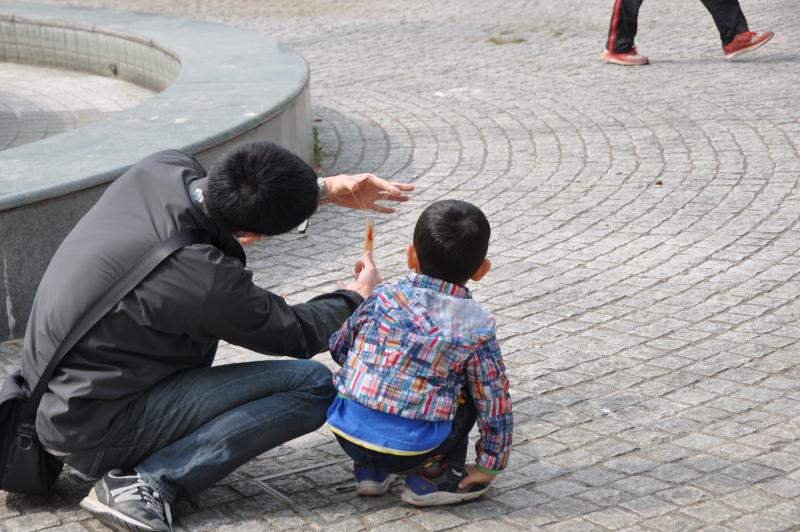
column 410, row 348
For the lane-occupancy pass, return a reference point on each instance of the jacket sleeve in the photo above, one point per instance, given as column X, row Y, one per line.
column 488, row 384
column 342, row 340
column 243, row 314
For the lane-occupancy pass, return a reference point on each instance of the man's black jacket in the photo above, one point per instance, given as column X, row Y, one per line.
column 200, row 294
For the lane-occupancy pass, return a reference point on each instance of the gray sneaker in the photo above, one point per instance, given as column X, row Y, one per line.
column 437, row 488
column 128, row 503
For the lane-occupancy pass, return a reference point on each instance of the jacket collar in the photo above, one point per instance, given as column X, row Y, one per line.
column 419, row 280
column 225, row 241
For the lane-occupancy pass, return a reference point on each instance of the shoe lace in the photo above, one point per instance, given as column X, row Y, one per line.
column 746, row 36
column 140, row 491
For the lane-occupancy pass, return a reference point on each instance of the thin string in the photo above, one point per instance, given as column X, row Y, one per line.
column 363, row 207
column 368, row 219
column 359, row 199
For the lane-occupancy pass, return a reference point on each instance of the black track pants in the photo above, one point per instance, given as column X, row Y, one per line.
column 727, row 16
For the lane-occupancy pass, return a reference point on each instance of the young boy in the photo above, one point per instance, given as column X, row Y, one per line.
column 420, row 364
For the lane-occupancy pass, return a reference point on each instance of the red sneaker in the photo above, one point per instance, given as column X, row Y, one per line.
column 629, row 58
column 745, row 42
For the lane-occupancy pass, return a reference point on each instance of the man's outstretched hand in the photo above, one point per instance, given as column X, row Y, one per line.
column 367, row 277
column 362, row 191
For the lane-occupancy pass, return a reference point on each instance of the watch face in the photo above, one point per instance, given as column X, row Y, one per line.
column 322, row 196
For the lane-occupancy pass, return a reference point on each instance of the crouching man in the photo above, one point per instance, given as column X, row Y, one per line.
column 136, row 402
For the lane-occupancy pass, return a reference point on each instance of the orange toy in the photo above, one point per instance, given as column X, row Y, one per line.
column 369, row 234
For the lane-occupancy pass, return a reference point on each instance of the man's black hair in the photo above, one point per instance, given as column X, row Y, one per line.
column 262, row 188
column 451, row 240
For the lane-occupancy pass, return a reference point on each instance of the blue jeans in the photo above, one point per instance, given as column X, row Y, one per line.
column 199, row 425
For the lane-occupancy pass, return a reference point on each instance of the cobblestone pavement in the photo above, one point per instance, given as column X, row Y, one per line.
column 646, row 249
column 37, row 102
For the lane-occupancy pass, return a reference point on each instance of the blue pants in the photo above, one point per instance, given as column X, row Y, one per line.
column 200, row 425
column 452, row 451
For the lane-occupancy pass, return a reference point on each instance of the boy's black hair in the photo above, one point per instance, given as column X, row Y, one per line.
column 451, row 239
column 262, row 188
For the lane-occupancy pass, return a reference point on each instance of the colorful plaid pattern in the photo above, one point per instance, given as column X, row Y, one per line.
column 410, row 348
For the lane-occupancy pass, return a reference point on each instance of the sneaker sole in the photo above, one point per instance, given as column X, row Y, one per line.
column 110, row 517
column 623, row 63
column 440, row 498
column 734, row 55
column 371, row 488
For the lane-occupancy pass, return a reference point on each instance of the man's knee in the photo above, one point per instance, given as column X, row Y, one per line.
column 320, row 381
column 319, row 391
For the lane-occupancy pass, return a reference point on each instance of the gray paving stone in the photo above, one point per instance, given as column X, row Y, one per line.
column 438, row 519
column 673, row 521
column 491, row 524
column 30, row 521
column 649, row 506
column 711, row 512
column 750, row 472
column 780, row 461
column 785, row 487
column 69, row 527
column 606, row 497
column 788, row 512
column 521, row 497
column 674, row 473
column 533, row 516
column 700, row 442
column 573, row 525
column 719, row 484
column 760, row 522
column 683, row 495
column 560, row 488
column 640, row 485
column 540, row 471
column 568, row 507
column 749, row 499
column 596, row 477
column 630, row 465
column 484, row 508
column 613, row 518
column 204, row 520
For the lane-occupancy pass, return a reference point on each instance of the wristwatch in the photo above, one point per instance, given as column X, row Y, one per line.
column 322, row 197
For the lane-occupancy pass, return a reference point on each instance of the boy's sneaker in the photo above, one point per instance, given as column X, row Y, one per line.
column 746, row 42
column 629, row 58
column 126, row 502
column 371, row 483
column 442, row 488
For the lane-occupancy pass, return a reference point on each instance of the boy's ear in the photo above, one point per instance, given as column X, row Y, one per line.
column 411, row 256
column 482, row 270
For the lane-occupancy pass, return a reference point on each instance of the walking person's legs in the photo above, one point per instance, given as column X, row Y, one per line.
column 733, row 30
column 622, row 29
column 200, row 425
column 728, row 17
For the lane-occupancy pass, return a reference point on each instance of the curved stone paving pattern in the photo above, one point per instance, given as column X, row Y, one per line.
column 37, row 102
column 646, row 250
